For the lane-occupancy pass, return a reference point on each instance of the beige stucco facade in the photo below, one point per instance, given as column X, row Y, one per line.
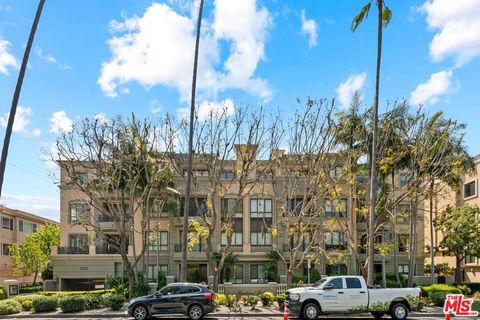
column 16, row 225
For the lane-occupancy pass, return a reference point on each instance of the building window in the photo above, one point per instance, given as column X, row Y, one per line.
column 158, row 241
column 197, row 173
column 336, row 208
column 256, row 274
column 197, row 207
column 470, row 189
column 260, row 221
column 79, row 212
column 265, row 174
column 5, row 249
column 403, row 243
column 233, row 274
column 470, row 259
column 81, row 177
column 335, row 241
column 336, row 269
column 26, row 226
column 154, row 269
column 404, row 178
column 7, row 223
column 226, row 175
column 160, row 209
column 403, row 213
column 335, row 172
column 294, row 207
column 403, row 268
column 79, row 241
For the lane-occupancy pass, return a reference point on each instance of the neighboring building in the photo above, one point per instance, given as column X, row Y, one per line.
column 83, row 261
column 16, row 225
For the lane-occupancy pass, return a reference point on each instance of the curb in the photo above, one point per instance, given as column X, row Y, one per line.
column 220, row 315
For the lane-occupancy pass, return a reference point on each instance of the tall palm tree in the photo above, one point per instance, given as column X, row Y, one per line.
column 16, row 95
column 188, row 186
column 384, row 17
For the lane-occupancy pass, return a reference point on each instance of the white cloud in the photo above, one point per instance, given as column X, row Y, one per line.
column 100, row 117
column 155, row 107
column 458, row 29
column 37, row 132
column 47, row 207
column 206, row 108
column 157, row 49
column 7, row 60
column 51, row 59
column 22, row 119
column 309, row 28
column 347, row 88
column 60, row 122
column 439, row 84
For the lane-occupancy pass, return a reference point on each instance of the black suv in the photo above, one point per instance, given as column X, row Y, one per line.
column 190, row 299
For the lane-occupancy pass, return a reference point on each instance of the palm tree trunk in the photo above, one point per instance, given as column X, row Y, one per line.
column 432, row 245
column 395, row 238
column 188, row 186
column 18, row 89
column 373, row 172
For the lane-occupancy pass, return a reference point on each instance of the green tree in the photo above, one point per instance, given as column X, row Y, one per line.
column 384, row 17
column 34, row 253
column 460, row 230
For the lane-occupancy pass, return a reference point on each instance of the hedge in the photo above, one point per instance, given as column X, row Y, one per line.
column 26, row 301
column 114, row 301
column 426, row 291
column 44, row 304
column 72, row 303
column 9, row 306
column 93, row 301
column 30, row 289
column 76, row 293
column 2, row 294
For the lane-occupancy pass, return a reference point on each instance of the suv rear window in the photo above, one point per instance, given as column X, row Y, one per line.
column 353, row 283
column 193, row 290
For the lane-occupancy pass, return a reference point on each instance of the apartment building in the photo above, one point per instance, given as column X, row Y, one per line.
column 83, row 260
column 16, row 225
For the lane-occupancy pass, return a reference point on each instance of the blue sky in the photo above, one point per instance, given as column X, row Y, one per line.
column 121, row 56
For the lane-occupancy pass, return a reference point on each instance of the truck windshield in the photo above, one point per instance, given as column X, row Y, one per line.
column 320, row 282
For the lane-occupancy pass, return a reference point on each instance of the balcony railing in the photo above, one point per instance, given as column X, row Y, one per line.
column 197, row 248
column 104, row 218
column 72, row 250
column 106, row 250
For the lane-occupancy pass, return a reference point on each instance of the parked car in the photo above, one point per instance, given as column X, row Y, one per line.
column 190, row 299
column 349, row 294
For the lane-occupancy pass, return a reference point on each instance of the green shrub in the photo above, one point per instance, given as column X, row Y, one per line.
column 299, row 280
column 115, row 301
column 476, row 296
column 267, row 298
column 438, row 298
column 10, row 306
column 231, row 301
column 2, row 294
column 93, row 301
column 251, row 301
column 280, row 298
column 75, row 293
column 70, row 304
column 391, row 280
column 315, row 275
column 29, row 289
column 476, row 306
column 44, row 303
column 220, row 299
column 26, row 301
column 465, row 289
column 119, row 284
column 141, row 289
column 162, row 280
column 439, row 288
column 47, row 274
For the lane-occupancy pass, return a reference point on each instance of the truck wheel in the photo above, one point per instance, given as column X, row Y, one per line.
column 377, row 314
column 310, row 311
column 399, row 311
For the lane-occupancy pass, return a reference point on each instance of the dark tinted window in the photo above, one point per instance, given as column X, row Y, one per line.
column 193, row 290
column 353, row 283
column 469, row 189
column 337, row 283
column 170, row 290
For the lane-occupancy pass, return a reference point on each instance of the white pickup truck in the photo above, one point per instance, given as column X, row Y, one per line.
column 349, row 294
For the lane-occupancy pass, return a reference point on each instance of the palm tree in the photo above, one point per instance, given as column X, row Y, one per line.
column 188, row 186
column 16, row 95
column 384, row 16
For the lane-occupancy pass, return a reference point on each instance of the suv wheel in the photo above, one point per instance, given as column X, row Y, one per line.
column 399, row 311
column 140, row 312
column 195, row 312
column 377, row 314
column 310, row 311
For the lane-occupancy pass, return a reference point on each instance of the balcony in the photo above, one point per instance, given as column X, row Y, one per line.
column 72, row 250
column 197, row 248
column 106, row 250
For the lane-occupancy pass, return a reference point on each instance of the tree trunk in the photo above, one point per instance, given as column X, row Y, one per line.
column 413, row 242
column 289, row 276
column 16, row 94
column 395, row 239
column 384, row 272
column 35, row 277
column 373, row 171
column 432, row 244
column 458, row 270
column 188, row 186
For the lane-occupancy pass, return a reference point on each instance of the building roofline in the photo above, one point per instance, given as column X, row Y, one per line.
column 26, row 215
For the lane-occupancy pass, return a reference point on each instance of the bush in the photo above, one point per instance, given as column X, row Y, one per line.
column 26, row 301
column 114, row 301
column 44, row 303
column 280, row 298
column 476, row 296
column 2, row 294
column 231, row 301
column 267, row 298
column 391, row 280
column 476, row 306
column 251, row 301
column 438, row 298
column 220, row 299
column 29, row 289
column 141, row 289
column 93, row 301
column 162, row 280
column 315, row 275
column 47, row 274
column 10, row 306
column 439, row 288
column 70, row 304
column 465, row 289
column 76, row 293
column 118, row 284
column 299, row 280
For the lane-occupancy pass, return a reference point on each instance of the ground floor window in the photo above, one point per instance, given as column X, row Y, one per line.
column 403, row 268
column 233, row 274
column 197, row 273
column 470, row 259
column 336, row 269
column 154, row 269
column 257, row 274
